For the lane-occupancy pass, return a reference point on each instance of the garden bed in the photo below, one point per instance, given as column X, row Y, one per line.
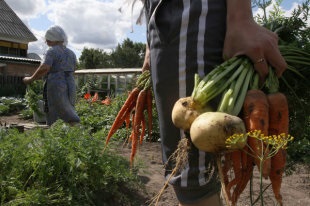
column 295, row 188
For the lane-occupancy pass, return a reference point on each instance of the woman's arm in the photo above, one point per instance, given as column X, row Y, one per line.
column 245, row 37
column 40, row 72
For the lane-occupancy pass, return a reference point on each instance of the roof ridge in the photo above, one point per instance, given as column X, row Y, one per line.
column 12, row 27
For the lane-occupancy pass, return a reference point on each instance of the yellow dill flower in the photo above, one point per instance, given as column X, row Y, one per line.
column 236, row 139
column 273, row 142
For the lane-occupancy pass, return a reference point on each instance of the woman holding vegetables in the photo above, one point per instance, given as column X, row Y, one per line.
column 188, row 37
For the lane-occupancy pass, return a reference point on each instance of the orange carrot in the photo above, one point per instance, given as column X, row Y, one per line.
column 143, row 127
column 278, row 124
column 237, row 168
column 277, row 169
column 278, row 114
column 139, row 109
column 130, row 137
column 134, row 145
column 124, row 111
column 242, row 167
column 127, row 120
column 225, row 171
column 247, row 171
column 256, row 117
column 132, row 131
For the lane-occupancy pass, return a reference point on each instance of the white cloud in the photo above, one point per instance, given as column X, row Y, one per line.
column 88, row 23
column 27, row 9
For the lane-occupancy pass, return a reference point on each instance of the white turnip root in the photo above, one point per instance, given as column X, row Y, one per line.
column 210, row 130
column 185, row 111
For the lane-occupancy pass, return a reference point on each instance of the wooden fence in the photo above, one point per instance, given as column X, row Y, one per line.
column 12, row 86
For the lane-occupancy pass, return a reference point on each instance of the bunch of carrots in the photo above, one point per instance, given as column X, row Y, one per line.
column 266, row 113
column 265, row 110
column 136, row 108
column 262, row 108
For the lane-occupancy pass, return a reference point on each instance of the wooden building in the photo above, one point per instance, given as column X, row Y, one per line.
column 15, row 63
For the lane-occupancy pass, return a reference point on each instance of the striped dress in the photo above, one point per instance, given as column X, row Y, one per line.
column 185, row 37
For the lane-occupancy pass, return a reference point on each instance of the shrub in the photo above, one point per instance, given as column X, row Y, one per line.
column 62, row 166
column 4, row 109
column 13, row 104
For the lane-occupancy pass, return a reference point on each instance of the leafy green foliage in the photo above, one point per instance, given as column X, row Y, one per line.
column 292, row 30
column 96, row 115
column 125, row 55
column 11, row 105
column 34, row 93
column 295, row 32
column 62, row 166
column 4, row 109
column 128, row 54
column 94, row 58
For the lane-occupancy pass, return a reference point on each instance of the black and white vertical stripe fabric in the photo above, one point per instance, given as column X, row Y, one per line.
column 185, row 37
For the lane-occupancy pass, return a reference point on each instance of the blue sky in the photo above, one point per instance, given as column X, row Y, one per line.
column 88, row 23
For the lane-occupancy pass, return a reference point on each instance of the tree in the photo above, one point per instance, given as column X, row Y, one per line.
column 125, row 55
column 128, row 54
column 291, row 30
column 94, row 58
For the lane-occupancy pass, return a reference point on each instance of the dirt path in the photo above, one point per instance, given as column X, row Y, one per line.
column 295, row 187
column 151, row 172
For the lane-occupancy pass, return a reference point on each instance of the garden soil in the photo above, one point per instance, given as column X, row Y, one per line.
column 295, row 186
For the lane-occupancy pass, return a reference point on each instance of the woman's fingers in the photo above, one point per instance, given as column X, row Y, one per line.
column 267, row 54
column 277, row 61
column 262, row 60
column 27, row 80
column 260, row 65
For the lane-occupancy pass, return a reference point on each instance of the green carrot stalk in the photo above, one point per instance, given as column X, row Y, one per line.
column 240, row 100
column 239, row 83
column 217, row 81
column 226, row 97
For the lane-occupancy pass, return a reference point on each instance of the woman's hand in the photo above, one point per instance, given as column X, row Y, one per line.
column 40, row 72
column 146, row 63
column 246, row 37
column 27, row 80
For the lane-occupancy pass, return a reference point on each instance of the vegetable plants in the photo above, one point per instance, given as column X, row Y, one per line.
column 62, row 165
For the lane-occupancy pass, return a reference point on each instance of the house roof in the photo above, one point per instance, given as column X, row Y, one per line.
column 4, row 59
column 11, row 26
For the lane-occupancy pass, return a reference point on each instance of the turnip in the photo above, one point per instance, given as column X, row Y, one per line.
column 210, row 130
column 185, row 111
